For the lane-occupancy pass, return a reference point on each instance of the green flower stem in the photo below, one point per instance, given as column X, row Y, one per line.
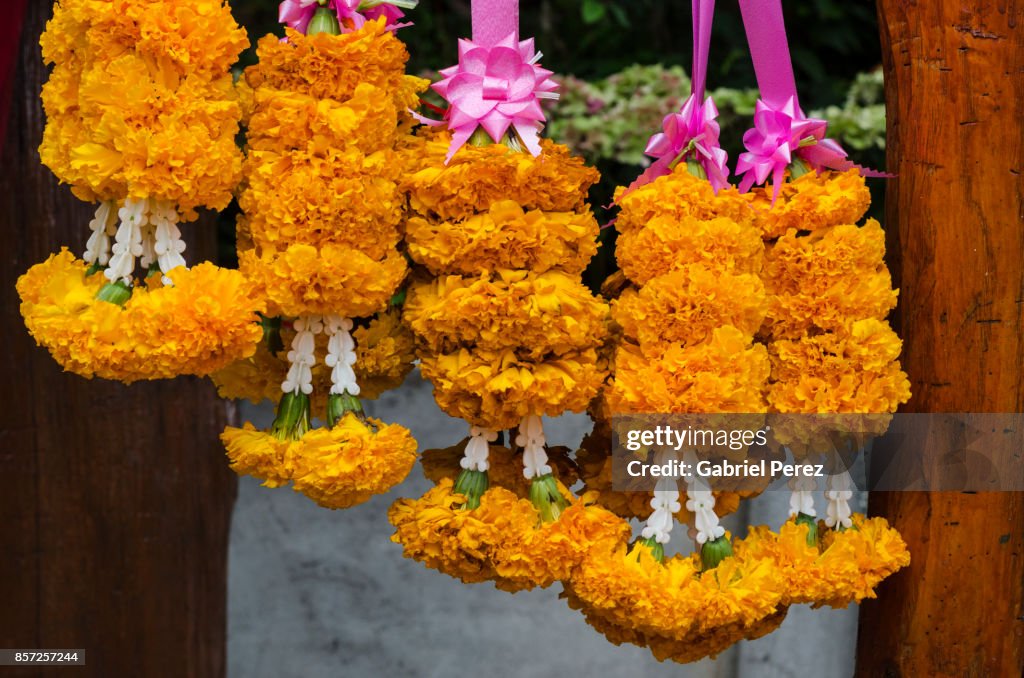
column 657, row 550
column 714, row 552
column 292, row 420
column 798, row 168
column 117, row 292
column 472, row 485
column 338, row 404
column 547, row 498
column 812, row 527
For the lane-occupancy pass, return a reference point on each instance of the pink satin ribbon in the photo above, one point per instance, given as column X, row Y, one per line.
column 781, row 131
column 298, row 13
column 497, row 84
column 693, row 131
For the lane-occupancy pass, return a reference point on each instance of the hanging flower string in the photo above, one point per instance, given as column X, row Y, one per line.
column 351, row 14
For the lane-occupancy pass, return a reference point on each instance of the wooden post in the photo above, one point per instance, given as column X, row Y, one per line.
column 954, row 74
column 115, row 501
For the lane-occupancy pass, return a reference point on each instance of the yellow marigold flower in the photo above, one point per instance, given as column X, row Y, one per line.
column 385, row 353
column 505, row 236
column 550, row 552
column 334, row 66
column 811, row 202
column 353, row 460
column 480, row 176
column 727, row 373
column 851, row 371
column 437, row 532
column 680, row 197
column 686, row 306
column 337, row 467
column 303, row 280
column 283, row 121
column 795, row 262
column 496, row 390
column 188, row 36
column 340, row 198
column 505, row 466
column 674, row 600
column 258, row 454
column 537, row 315
column 875, row 547
column 256, row 378
column 665, row 244
column 846, row 568
column 201, row 324
column 821, row 281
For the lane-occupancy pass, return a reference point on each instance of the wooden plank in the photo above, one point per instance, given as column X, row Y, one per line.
column 955, row 92
column 115, row 501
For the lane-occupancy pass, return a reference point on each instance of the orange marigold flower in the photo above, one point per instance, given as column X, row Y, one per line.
column 496, row 390
column 536, row 315
column 686, row 306
column 480, row 176
column 810, row 202
column 505, row 236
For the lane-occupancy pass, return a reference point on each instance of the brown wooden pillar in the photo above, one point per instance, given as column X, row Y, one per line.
column 115, row 501
column 955, row 91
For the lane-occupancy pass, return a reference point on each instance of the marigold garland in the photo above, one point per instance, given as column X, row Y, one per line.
column 319, row 237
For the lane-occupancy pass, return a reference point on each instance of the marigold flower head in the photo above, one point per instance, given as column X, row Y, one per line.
column 496, row 390
column 480, row 176
column 436, row 531
column 283, row 120
column 846, row 568
column 552, row 313
column 341, row 198
column 855, row 370
column 674, row 600
column 811, row 202
column 665, row 244
column 680, row 197
column 550, row 552
column 505, row 236
column 202, row 323
column 303, row 280
column 385, row 353
column 686, row 306
column 188, row 36
column 726, row 373
column 336, row 467
column 333, row 66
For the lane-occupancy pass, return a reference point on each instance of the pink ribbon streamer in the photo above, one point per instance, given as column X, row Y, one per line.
column 298, row 13
column 693, row 131
column 497, row 83
column 781, row 131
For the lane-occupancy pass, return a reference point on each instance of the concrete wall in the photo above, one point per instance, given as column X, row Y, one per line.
column 325, row 593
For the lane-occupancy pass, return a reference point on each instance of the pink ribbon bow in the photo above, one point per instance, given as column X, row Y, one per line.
column 781, row 130
column 298, row 13
column 496, row 87
column 695, row 130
